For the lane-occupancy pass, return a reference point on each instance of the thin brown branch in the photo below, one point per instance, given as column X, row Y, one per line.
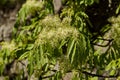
column 49, row 76
column 97, row 75
column 105, row 39
column 109, row 41
column 84, row 72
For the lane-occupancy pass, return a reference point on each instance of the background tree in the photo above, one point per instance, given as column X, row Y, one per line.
column 79, row 37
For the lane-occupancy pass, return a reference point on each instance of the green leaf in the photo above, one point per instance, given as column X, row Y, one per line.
column 112, row 72
column 23, row 56
column 73, row 54
column 71, row 45
column 63, row 42
column 30, row 65
column 118, row 9
column 58, row 76
column 93, row 78
column 29, row 46
column 75, row 76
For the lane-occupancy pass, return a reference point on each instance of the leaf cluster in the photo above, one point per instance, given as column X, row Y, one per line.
column 55, row 45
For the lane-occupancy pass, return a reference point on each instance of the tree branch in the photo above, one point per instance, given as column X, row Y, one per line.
column 51, row 75
column 97, row 75
column 84, row 72
column 109, row 41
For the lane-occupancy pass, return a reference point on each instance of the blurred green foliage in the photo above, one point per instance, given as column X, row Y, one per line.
column 46, row 40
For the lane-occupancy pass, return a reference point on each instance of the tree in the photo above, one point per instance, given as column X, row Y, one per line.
column 56, row 42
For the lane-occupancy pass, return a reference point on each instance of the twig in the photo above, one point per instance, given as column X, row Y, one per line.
column 49, row 76
column 97, row 75
column 109, row 41
column 44, row 77
column 105, row 39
